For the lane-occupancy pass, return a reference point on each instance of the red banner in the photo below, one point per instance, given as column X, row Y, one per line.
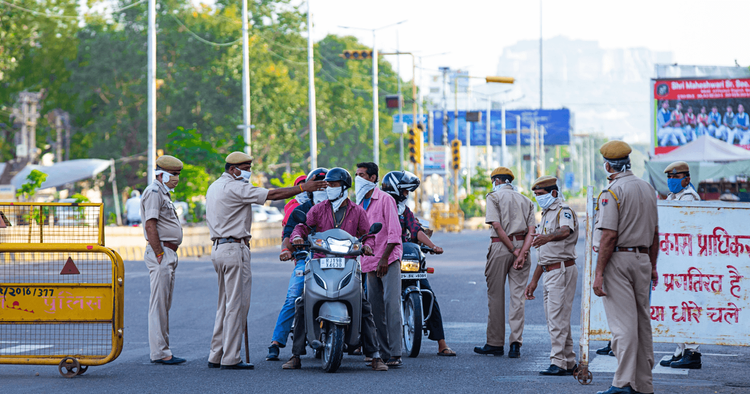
column 697, row 89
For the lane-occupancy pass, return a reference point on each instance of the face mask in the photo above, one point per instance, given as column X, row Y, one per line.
column 496, row 187
column 401, row 207
column 245, row 175
column 675, row 185
column 361, row 187
column 336, row 196
column 545, row 200
column 607, row 171
column 319, row 196
column 168, row 180
column 302, row 198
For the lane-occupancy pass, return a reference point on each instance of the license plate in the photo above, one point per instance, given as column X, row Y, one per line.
column 332, row 263
column 414, row 275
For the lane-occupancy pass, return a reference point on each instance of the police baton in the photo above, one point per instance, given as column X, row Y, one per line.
column 247, row 350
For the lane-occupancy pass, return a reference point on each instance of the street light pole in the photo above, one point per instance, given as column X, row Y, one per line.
column 311, row 93
column 400, row 110
column 375, row 123
column 151, row 90
column 246, row 80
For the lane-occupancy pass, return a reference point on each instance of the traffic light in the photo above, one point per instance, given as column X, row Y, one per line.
column 357, row 54
column 415, row 145
column 394, row 101
column 456, row 150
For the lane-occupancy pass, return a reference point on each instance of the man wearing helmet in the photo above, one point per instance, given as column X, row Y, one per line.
column 398, row 184
column 305, row 200
column 511, row 215
column 298, row 200
column 336, row 212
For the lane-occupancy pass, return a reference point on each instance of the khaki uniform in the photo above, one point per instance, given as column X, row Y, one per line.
column 156, row 204
column 628, row 206
column 229, row 214
column 686, row 194
column 515, row 213
column 560, row 283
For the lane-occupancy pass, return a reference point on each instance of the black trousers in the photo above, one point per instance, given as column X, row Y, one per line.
column 369, row 336
column 435, row 322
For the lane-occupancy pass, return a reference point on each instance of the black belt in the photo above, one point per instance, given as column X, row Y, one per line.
column 221, row 241
column 634, row 249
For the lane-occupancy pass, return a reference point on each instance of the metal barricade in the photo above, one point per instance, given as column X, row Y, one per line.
column 61, row 290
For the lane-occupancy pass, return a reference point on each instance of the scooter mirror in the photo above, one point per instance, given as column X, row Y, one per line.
column 299, row 216
column 375, row 228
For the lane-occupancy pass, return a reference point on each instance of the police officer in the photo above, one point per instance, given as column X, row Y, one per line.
column 511, row 216
column 164, row 234
column 625, row 229
column 680, row 189
column 229, row 215
column 556, row 239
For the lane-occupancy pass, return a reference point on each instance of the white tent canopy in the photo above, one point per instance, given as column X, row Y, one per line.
column 708, row 158
column 64, row 172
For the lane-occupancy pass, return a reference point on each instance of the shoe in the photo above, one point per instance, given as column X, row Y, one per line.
column 214, row 365
column 293, row 363
column 554, row 370
column 690, row 360
column 487, row 349
column 611, row 353
column 571, row 371
column 605, row 350
column 515, row 350
column 172, row 361
column 394, row 362
column 379, row 365
column 273, row 353
column 368, row 359
column 668, row 362
column 617, row 390
column 239, row 365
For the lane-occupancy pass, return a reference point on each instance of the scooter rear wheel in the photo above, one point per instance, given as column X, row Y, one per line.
column 333, row 347
column 412, row 327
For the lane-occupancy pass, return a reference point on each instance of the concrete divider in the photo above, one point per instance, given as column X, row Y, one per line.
column 130, row 243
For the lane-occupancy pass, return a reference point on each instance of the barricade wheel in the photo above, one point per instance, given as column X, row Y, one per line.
column 584, row 377
column 69, row 367
column 83, row 369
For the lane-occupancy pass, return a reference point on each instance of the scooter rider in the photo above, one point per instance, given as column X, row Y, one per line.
column 337, row 212
column 296, row 283
column 398, row 184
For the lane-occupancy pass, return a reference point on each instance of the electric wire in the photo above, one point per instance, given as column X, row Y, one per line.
column 201, row 39
column 48, row 15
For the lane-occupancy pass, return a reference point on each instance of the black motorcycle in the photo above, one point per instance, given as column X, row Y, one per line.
column 416, row 302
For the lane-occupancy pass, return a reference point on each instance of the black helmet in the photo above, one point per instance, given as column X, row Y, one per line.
column 338, row 174
column 317, row 174
column 395, row 182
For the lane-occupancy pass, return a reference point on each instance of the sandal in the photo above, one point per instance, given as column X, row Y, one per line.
column 394, row 362
column 357, row 352
column 447, row 352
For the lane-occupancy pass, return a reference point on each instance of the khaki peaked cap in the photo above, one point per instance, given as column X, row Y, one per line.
column 676, row 167
column 238, row 158
column 543, row 182
column 169, row 163
column 615, row 150
column 502, row 171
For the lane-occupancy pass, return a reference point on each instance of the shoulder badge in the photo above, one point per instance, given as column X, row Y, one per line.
column 568, row 215
column 605, row 202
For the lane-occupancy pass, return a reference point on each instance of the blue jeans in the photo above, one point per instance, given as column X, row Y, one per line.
column 286, row 316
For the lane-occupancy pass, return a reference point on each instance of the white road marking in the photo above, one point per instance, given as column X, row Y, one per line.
column 23, row 349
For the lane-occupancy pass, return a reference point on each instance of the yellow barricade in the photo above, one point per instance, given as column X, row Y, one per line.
column 60, row 302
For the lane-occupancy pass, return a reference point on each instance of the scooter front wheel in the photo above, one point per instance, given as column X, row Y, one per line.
column 333, row 347
column 412, row 327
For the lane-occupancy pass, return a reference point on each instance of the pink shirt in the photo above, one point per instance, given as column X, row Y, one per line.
column 288, row 209
column 320, row 216
column 382, row 209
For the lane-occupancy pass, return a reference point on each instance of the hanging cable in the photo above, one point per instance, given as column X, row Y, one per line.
column 201, row 39
column 64, row 16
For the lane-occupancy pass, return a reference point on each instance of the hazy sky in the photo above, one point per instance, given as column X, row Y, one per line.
column 475, row 32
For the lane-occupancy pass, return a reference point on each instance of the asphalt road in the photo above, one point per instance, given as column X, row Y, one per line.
column 460, row 287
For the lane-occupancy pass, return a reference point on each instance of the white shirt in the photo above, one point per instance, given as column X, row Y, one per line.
column 133, row 209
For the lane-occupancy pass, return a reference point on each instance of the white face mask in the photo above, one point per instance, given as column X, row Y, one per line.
column 336, row 196
column 245, row 175
column 545, row 200
column 319, row 196
column 401, row 207
column 302, row 198
column 361, row 187
column 164, row 179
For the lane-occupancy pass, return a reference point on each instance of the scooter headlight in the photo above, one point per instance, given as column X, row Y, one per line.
column 409, row 266
column 339, row 246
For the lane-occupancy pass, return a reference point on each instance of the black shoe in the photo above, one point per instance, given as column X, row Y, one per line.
column 515, row 350
column 617, row 390
column 214, row 365
column 668, row 362
column 487, row 349
column 605, row 350
column 239, row 365
column 553, row 370
column 571, row 371
column 273, row 353
column 612, row 353
column 172, row 361
column 690, row 360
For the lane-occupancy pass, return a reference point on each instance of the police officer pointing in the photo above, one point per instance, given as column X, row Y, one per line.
column 229, row 215
column 625, row 229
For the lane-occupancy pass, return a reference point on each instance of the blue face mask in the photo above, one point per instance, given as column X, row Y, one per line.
column 675, row 185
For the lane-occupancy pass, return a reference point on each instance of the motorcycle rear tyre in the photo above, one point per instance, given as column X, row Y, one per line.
column 412, row 328
column 333, row 350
